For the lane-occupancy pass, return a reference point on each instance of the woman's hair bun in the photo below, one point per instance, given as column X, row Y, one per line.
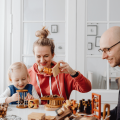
column 43, row 33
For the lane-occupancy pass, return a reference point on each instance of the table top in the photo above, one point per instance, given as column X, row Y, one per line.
column 23, row 113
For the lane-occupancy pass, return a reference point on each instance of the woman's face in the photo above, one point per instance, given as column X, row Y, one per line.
column 43, row 56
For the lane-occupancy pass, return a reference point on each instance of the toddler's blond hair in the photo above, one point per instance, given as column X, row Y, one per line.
column 17, row 65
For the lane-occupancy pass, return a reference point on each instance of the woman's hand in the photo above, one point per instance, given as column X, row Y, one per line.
column 15, row 97
column 29, row 97
column 65, row 68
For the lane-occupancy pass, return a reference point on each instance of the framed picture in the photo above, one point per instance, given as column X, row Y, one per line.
column 54, row 28
column 97, row 41
column 91, row 30
column 89, row 46
column 60, row 48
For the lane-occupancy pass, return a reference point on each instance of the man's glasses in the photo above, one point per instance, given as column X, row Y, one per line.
column 107, row 49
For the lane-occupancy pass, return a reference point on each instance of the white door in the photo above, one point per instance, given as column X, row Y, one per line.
column 94, row 17
column 31, row 15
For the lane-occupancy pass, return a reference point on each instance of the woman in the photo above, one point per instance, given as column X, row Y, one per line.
column 63, row 83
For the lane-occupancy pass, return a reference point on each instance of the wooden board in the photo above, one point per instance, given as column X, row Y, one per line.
column 49, row 108
column 65, row 114
column 21, row 106
column 36, row 116
column 49, row 117
column 53, row 106
column 56, row 70
column 48, row 98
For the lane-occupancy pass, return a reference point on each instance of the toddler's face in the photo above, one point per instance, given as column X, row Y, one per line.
column 19, row 78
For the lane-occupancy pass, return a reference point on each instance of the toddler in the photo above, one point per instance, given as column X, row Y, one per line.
column 19, row 77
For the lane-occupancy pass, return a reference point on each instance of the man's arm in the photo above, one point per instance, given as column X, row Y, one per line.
column 113, row 114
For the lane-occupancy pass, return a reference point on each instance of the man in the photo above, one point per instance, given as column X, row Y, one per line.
column 110, row 46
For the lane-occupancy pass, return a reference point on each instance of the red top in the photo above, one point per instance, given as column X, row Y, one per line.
column 64, row 83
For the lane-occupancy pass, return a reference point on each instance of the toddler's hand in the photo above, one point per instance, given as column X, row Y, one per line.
column 15, row 97
column 29, row 97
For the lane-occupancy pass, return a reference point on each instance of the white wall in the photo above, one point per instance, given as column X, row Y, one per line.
column 81, row 32
column 108, row 96
column 71, row 39
column 8, row 39
column 2, row 37
column 5, row 42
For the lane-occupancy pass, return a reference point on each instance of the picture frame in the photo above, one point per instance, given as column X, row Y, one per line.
column 89, row 46
column 92, row 30
column 97, row 41
column 54, row 28
column 60, row 48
